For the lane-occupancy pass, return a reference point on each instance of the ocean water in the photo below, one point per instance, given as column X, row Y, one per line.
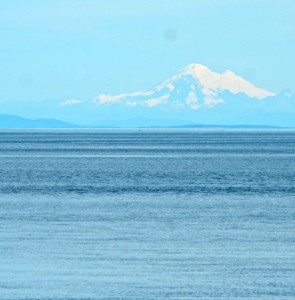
column 147, row 214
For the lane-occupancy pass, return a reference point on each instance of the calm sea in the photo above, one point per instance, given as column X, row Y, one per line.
column 147, row 214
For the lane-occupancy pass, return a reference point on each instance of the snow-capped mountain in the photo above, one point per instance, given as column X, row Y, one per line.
column 193, row 87
column 194, row 95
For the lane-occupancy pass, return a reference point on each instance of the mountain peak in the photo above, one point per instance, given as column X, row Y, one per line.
column 196, row 69
column 228, row 80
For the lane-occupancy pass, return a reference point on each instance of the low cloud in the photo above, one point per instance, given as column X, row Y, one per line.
column 69, row 102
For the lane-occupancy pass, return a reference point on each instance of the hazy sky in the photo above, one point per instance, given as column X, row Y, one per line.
column 60, row 49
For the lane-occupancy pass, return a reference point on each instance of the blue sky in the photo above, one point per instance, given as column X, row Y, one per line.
column 62, row 49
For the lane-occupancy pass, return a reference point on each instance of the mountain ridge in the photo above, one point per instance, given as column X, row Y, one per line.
column 195, row 86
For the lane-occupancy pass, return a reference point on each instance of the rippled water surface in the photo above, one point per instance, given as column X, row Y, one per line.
column 147, row 214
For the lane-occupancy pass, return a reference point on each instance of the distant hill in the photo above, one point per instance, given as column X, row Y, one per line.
column 15, row 122
column 228, row 126
column 10, row 121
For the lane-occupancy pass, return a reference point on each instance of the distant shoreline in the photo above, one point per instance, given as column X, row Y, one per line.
column 16, row 122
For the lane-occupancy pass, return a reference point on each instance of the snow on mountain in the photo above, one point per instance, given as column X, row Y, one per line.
column 212, row 82
column 194, row 87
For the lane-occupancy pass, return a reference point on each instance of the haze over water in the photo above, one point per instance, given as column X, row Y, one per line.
column 147, row 214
